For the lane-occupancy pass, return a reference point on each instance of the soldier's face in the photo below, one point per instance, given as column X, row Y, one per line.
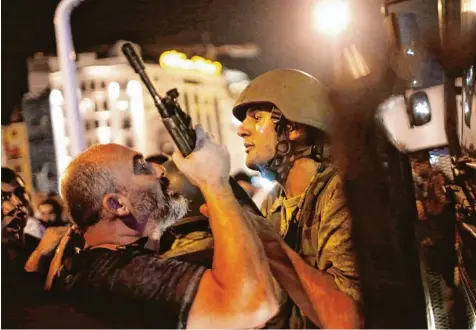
column 259, row 137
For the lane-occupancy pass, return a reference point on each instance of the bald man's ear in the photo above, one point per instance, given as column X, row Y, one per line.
column 115, row 203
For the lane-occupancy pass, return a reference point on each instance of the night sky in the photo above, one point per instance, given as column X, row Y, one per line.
column 281, row 28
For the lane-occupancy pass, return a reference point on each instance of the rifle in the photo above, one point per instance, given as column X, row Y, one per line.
column 176, row 121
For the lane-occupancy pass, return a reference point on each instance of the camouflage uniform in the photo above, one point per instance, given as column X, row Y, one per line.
column 320, row 231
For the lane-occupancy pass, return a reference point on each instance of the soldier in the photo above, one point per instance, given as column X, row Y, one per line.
column 285, row 117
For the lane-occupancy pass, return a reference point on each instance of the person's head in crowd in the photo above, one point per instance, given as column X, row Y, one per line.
column 420, row 162
column 244, row 180
column 50, row 212
column 16, row 181
column 15, row 207
column 116, row 197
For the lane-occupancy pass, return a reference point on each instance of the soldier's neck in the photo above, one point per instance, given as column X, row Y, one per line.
column 300, row 176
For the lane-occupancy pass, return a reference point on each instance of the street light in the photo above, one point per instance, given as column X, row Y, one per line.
column 332, row 16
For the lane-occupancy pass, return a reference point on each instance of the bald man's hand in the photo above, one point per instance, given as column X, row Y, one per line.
column 208, row 164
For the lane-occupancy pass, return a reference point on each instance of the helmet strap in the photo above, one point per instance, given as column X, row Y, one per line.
column 287, row 152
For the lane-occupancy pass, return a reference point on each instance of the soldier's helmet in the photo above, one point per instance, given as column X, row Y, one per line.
column 300, row 97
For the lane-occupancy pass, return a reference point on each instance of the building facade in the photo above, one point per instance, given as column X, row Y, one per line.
column 116, row 107
column 15, row 151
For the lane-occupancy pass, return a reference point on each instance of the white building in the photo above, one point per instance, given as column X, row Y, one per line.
column 116, row 107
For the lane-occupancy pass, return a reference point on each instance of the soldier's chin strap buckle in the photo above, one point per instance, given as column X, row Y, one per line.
column 276, row 115
column 285, row 152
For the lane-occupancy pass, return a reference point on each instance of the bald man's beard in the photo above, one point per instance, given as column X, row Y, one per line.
column 167, row 210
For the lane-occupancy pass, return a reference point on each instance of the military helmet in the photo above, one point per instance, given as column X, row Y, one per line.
column 300, row 97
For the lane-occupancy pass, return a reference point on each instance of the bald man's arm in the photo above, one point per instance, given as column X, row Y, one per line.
column 238, row 291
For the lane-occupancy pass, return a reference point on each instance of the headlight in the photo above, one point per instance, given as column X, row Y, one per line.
column 420, row 109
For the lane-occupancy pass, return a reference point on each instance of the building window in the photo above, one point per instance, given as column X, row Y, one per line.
column 217, row 117
column 186, row 108
column 129, row 143
column 126, row 123
column 199, row 109
column 93, row 85
column 104, row 105
column 87, row 126
column 122, row 105
column 96, row 123
column 103, row 84
column 83, row 86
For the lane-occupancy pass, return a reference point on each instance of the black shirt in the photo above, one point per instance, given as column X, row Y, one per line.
column 131, row 287
column 26, row 305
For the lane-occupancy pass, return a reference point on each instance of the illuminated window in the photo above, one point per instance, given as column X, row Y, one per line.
column 187, row 106
column 217, row 117
column 122, row 105
column 198, row 109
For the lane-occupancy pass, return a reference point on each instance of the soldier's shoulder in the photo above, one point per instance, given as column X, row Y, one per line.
column 333, row 198
column 270, row 200
column 334, row 184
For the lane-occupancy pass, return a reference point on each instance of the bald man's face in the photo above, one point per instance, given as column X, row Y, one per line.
column 145, row 188
column 152, row 200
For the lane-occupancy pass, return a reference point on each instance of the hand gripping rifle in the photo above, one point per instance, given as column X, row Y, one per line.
column 176, row 121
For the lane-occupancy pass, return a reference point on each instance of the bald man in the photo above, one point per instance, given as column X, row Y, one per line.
column 118, row 199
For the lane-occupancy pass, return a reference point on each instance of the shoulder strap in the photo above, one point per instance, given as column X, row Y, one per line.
column 306, row 208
